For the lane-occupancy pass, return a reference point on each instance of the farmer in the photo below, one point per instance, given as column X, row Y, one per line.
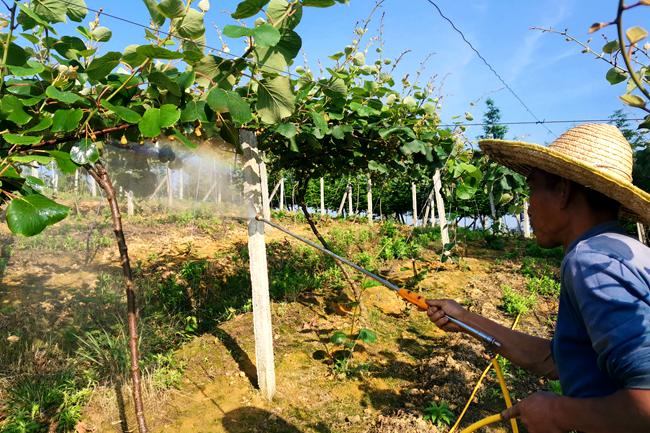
column 601, row 348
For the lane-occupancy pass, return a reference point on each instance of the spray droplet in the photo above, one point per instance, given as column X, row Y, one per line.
column 123, row 140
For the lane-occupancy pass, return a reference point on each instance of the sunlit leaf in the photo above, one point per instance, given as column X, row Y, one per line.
column 248, row 8
column 84, row 152
column 31, row 214
column 275, row 99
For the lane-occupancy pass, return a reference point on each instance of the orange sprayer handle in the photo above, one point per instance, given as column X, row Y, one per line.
column 413, row 298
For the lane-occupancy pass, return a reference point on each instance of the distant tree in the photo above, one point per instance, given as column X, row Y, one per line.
column 491, row 118
column 638, row 138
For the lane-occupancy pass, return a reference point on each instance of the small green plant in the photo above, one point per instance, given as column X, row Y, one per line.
column 168, row 372
column 555, row 387
column 544, row 286
column 515, row 303
column 438, row 414
column 343, row 358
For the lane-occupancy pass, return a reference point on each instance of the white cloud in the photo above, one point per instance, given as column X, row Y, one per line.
column 526, row 54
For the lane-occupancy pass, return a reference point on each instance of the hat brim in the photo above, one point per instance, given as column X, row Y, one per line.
column 522, row 157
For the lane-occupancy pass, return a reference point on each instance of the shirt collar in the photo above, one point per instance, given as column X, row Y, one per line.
column 608, row 227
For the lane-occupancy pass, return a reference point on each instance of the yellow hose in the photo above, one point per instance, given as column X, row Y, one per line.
column 504, row 390
column 485, row 421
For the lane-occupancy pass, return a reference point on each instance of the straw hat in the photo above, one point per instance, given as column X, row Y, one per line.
column 593, row 155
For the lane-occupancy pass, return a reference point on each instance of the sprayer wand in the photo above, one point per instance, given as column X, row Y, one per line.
column 405, row 294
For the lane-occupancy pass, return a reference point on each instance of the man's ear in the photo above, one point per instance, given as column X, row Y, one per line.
column 564, row 190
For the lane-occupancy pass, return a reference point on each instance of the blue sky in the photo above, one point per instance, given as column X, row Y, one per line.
column 552, row 76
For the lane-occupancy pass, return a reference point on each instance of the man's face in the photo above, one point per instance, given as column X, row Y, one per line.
column 546, row 215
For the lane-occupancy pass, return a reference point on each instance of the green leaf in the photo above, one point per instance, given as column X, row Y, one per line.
column 266, row 35
column 65, row 97
column 183, row 139
column 367, row 336
column 194, row 110
column 377, row 166
column 248, row 8
column 66, row 120
column 275, row 99
column 226, row 101
column 76, row 10
column 70, row 47
column 33, row 67
column 84, row 152
column 156, row 52
column 26, row 159
column 237, row 31
column 339, row 131
column 162, row 81
column 383, row 133
column 610, row 47
column 123, row 113
column 633, row 100
column 414, row 146
column 42, row 125
column 100, row 67
column 155, row 119
column 318, row 3
column 157, row 18
column 31, row 214
column 16, row 55
column 338, row 337
column 636, row 34
column 169, row 115
column 11, row 108
column 101, row 34
column 192, row 25
column 63, row 161
column 20, row 139
column 319, row 121
column 282, row 14
column 52, row 11
column 287, row 130
column 172, row 8
column 615, row 76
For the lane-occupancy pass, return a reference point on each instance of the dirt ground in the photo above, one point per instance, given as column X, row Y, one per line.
column 411, row 364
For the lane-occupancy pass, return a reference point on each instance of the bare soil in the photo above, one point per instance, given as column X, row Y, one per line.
column 411, row 364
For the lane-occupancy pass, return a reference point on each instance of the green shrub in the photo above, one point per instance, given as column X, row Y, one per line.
column 544, row 286
column 515, row 303
column 534, row 250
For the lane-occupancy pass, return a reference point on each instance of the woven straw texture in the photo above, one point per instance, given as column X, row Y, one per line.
column 594, row 155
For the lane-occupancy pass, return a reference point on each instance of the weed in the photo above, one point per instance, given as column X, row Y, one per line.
column 544, row 286
column 168, row 372
column 534, row 250
column 44, row 403
column 515, row 303
column 555, row 387
column 438, row 414
column 342, row 359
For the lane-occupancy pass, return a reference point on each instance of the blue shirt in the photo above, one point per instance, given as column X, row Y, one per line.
column 602, row 337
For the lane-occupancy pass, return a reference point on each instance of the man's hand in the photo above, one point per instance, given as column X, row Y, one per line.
column 440, row 308
column 537, row 412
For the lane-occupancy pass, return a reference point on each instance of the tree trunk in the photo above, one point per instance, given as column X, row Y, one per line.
column 99, row 173
column 493, row 211
column 282, row 194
